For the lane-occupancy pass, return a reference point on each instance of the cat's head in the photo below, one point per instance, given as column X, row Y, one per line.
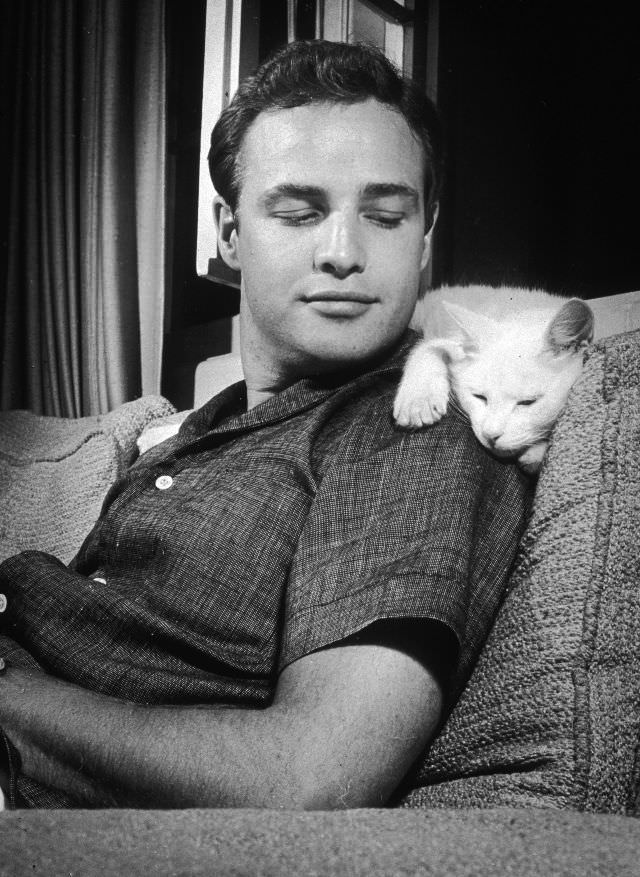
column 513, row 377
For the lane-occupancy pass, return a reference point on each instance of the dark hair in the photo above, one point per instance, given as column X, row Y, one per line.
column 318, row 71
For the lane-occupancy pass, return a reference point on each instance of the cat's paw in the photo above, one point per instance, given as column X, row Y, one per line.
column 530, row 461
column 422, row 406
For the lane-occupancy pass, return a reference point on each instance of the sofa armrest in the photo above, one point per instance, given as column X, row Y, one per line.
column 360, row 843
column 55, row 472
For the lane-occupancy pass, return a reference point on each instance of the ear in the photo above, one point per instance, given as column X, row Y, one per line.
column 570, row 329
column 452, row 351
column 426, row 252
column 227, row 232
column 475, row 327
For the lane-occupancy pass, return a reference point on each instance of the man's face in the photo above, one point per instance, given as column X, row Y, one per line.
column 330, row 236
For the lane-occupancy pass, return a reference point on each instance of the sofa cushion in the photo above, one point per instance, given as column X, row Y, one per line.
column 357, row 843
column 55, row 472
column 551, row 715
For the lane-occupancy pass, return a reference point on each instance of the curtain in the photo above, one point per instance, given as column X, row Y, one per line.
column 84, row 295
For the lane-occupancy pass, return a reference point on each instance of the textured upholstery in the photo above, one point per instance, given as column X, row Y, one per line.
column 55, row 472
column 551, row 716
column 358, row 843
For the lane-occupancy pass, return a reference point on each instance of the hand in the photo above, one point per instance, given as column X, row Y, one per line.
column 29, row 697
column 4, row 765
column 4, row 778
column 4, row 785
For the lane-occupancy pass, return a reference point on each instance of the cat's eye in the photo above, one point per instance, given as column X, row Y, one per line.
column 479, row 396
column 527, row 401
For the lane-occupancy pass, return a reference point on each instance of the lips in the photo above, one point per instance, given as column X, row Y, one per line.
column 339, row 296
column 333, row 304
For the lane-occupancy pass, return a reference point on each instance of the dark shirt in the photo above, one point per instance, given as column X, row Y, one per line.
column 253, row 538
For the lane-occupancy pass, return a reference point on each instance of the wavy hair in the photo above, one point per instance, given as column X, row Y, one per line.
column 319, row 71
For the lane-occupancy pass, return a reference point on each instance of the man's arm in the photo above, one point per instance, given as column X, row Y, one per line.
column 346, row 724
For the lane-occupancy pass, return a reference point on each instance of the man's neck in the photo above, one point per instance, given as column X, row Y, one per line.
column 265, row 373
column 255, row 396
column 262, row 380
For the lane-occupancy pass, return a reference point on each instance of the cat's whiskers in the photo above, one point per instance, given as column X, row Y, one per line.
column 455, row 405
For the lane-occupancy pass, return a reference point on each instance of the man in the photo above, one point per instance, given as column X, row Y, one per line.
column 277, row 606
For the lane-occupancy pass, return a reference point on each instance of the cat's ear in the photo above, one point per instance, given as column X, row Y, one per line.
column 570, row 329
column 475, row 327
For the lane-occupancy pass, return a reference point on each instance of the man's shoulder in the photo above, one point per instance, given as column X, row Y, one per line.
column 358, row 423
column 365, row 403
column 361, row 426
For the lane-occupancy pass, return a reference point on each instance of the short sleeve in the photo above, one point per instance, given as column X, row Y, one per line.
column 423, row 525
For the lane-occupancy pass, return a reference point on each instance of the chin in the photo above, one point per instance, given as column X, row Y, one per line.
column 500, row 453
column 337, row 356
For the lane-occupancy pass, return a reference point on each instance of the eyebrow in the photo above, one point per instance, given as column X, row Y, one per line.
column 388, row 190
column 291, row 190
column 369, row 192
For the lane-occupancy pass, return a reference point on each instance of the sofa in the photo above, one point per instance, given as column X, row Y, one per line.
column 536, row 770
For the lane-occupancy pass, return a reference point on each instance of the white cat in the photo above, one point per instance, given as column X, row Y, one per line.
column 510, row 355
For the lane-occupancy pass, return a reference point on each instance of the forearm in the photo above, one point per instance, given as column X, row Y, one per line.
column 110, row 752
column 107, row 752
column 345, row 726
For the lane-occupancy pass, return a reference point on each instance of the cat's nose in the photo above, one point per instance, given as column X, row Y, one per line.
column 492, row 436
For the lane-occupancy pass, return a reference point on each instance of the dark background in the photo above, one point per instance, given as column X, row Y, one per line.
column 541, row 105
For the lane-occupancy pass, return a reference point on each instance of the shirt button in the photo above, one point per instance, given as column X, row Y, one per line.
column 3, row 602
column 164, row 482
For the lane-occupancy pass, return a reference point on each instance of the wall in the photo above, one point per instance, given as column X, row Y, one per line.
column 542, row 105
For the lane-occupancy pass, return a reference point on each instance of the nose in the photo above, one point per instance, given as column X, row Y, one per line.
column 340, row 250
column 492, row 432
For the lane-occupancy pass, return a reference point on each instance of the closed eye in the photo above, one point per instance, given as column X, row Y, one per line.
column 297, row 217
column 526, row 401
column 385, row 219
column 479, row 396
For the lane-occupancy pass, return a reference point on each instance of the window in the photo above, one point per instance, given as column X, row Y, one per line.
column 387, row 25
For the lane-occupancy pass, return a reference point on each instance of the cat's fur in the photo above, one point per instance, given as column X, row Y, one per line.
column 510, row 355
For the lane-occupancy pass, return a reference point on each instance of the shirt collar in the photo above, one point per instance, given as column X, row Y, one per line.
column 226, row 412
